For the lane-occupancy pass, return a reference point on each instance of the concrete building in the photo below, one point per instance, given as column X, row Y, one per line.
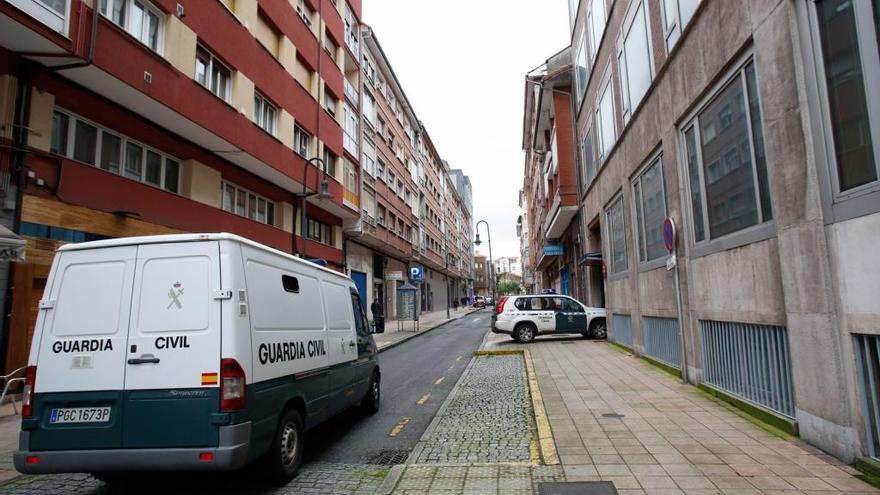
column 152, row 117
column 482, row 276
column 411, row 215
column 755, row 127
column 509, row 264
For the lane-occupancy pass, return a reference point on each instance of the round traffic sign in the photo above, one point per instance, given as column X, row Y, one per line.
column 669, row 234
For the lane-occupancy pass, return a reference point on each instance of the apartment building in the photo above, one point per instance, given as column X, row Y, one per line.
column 482, row 276
column 755, row 127
column 411, row 213
column 550, row 181
column 123, row 118
column 522, row 233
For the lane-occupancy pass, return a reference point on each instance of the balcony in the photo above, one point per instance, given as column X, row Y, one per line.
column 350, row 143
column 350, row 199
column 351, row 92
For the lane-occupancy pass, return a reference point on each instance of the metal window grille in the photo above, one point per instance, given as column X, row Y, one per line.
column 749, row 361
column 662, row 339
column 621, row 326
column 867, row 351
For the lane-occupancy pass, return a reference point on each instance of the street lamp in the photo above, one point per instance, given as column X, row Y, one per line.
column 491, row 270
column 323, row 193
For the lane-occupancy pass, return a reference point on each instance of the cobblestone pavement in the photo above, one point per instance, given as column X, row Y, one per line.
column 489, row 419
column 501, row 479
column 313, row 479
column 479, row 442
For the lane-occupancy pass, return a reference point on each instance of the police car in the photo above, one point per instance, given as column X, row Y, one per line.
column 189, row 352
column 526, row 316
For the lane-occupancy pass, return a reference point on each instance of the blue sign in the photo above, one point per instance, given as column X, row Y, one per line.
column 553, row 249
column 417, row 273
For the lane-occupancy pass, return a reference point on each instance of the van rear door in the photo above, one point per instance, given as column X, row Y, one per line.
column 172, row 361
column 80, row 350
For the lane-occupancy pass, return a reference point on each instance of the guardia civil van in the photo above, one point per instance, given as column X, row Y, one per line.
column 189, row 352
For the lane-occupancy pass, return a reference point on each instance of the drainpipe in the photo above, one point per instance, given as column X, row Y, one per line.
column 92, row 41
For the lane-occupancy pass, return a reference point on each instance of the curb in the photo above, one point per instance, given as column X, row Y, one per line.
column 423, row 332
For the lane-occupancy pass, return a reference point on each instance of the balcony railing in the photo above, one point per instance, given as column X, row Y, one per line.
column 351, row 92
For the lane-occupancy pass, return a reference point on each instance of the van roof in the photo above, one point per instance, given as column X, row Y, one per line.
column 165, row 239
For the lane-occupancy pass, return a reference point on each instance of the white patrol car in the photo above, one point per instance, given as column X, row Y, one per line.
column 525, row 317
column 189, row 352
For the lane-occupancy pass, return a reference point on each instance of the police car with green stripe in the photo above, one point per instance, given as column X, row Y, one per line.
column 189, row 352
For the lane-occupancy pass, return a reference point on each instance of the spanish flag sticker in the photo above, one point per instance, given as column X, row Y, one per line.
column 209, row 378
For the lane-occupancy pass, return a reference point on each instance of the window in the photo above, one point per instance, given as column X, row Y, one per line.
column 302, row 141
column 265, row 114
column 588, row 158
column 212, row 74
column 676, row 16
column 617, row 237
column 850, row 55
column 369, row 109
column 351, row 32
column 596, row 25
column 605, row 118
column 139, row 18
column 330, row 46
column 305, row 12
column 330, row 102
column 319, row 232
column 649, row 200
column 238, row 200
column 380, row 169
column 112, row 152
column 581, row 68
column 290, row 284
column 634, row 60
column 350, row 127
column 727, row 166
column 330, row 162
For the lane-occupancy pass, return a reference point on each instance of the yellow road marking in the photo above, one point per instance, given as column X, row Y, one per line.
column 440, row 380
column 424, row 399
column 399, row 427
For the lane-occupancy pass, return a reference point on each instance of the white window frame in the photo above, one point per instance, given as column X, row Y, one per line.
column 43, row 12
column 261, row 114
column 673, row 25
column 595, row 38
column 124, row 141
column 209, row 74
column 107, row 8
column 305, row 13
column 629, row 104
column 638, row 221
column 248, row 197
column 764, row 228
column 302, row 141
column 324, row 232
column 581, row 56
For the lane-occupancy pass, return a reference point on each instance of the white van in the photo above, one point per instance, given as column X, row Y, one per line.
column 189, row 352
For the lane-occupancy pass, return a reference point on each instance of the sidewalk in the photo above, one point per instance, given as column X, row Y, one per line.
column 10, row 425
column 670, row 438
column 427, row 321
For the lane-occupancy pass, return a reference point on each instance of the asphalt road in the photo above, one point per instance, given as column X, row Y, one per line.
column 416, row 377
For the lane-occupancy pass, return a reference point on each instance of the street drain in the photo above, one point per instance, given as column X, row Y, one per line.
column 389, row 457
column 612, row 415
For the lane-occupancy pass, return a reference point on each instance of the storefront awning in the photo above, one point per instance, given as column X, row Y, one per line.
column 12, row 247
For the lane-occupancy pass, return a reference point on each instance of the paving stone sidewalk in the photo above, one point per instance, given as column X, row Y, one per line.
column 480, row 440
column 671, row 438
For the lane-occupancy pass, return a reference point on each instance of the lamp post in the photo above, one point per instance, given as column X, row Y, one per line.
column 491, row 270
column 323, row 193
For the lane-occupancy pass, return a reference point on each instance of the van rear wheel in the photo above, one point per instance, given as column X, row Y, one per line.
column 285, row 455
column 370, row 402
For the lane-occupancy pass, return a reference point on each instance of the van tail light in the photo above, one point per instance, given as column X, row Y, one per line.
column 501, row 304
column 232, row 385
column 27, row 395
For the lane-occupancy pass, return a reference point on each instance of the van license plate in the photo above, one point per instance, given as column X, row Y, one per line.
column 80, row 415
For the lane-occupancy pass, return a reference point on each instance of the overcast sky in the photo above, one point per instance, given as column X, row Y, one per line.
column 462, row 64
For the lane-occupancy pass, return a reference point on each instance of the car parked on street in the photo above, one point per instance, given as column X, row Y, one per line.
column 527, row 316
column 479, row 302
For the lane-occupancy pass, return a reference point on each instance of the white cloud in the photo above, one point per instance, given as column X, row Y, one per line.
column 462, row 65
